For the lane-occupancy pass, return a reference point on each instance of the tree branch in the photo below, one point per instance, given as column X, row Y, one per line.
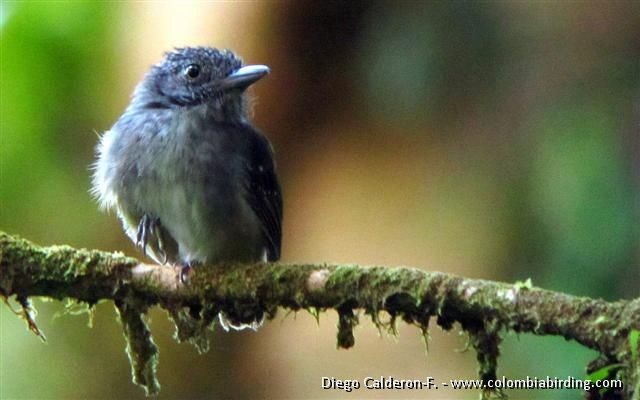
column 246, row 293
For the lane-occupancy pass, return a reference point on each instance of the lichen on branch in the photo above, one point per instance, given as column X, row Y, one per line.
column 484, row 309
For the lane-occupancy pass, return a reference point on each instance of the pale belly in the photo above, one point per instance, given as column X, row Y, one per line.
column 207, row 230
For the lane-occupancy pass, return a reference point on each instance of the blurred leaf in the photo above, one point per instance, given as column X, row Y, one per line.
column 55, row 65
column 581, row 195
column 603, row 373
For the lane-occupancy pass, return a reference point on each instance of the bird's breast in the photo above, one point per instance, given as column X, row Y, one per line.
column 193, row 185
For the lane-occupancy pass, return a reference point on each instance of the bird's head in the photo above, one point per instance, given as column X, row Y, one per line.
column 192, row 76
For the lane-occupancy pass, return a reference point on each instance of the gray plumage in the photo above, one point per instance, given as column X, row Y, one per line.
column 190, row 178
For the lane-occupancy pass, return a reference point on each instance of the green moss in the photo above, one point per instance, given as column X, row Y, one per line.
column 347, row 321
column 246, row 293
column 141, row 349
column 192, row 328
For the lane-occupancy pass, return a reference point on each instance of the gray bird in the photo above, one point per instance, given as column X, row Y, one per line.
column 191, row 179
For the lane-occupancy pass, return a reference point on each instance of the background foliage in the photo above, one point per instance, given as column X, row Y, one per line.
column 495, row 140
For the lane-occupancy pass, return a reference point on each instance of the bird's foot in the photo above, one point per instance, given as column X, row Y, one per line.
column 149, row 229
column 186, row 270
column 144, row 231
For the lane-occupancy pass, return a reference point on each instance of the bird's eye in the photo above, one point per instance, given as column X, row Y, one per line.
column 192, row 71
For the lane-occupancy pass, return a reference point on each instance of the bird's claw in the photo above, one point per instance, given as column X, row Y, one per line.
column 142, row 236
column 149, row 227
column 185, row 273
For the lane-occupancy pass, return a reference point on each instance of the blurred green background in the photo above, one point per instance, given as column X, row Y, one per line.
column 495, row 139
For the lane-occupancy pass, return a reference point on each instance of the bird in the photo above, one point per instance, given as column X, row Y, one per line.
column 191, row 179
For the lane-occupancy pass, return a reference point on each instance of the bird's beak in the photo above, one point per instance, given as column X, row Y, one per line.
column 245, row 76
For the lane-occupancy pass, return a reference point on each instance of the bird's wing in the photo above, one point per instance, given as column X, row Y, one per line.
column 263, row 192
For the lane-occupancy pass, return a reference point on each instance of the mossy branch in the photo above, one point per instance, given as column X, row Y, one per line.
column 246, row 293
